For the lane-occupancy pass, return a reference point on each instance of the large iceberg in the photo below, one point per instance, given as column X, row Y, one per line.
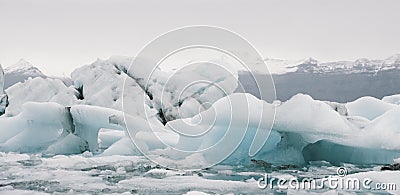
column 112, row 110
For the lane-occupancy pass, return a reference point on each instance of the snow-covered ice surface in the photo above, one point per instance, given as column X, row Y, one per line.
column 34, row 174
column 74, row 139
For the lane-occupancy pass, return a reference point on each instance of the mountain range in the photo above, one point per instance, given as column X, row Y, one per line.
column 340, row 81
column 311, row 65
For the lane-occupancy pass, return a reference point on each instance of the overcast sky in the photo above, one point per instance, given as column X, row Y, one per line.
column 58, row 36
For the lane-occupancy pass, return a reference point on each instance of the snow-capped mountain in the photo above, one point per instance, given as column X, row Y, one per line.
column 339, row 81
column 23, row 67
column 19, row 72
column 23, row 70
column 311, row 65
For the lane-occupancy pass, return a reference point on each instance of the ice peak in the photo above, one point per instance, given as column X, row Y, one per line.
column 24, row 67
column 22, row 64
column 310, row 60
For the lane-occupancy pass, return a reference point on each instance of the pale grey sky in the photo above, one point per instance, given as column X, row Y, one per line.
column 60, row 35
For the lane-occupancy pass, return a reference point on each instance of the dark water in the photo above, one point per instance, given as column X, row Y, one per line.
column 330, row 86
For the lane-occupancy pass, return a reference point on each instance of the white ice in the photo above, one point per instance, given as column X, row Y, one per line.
column 78, row 113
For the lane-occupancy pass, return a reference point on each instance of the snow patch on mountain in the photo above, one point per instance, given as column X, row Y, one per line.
column 24, row 67
column 19, row 72
column 23, row 70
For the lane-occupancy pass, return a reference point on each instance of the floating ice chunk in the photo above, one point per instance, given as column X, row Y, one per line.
column 31, row 140
column 87, row 154
column 160, row 173
column 33, row 131
column 123, row 146
column 368, row 107
column 229, row 124
column 108, row 136
column 237, row 111
column 13, row 157
column 70, row 144
column 384, row 131
column 182, row 184
column 303, row 121
column 39, row 90
column 195, row 193
column 163, row 138
column 9, row 127
column 88, row 121
column 313, row 119
column 393, row 99
column 177, row 160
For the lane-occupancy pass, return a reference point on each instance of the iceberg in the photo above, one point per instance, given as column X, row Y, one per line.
column 39, row 90
column 392, row 99
column 368, row 107
column 111, row 110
